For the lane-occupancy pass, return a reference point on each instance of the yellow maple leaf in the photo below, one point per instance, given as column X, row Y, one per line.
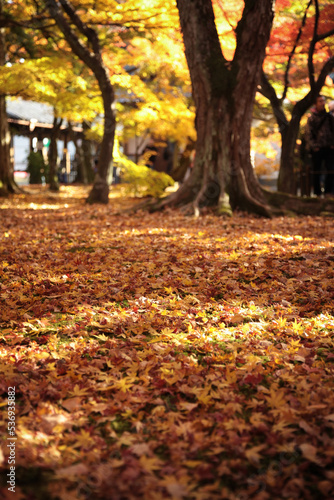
column 231, row 376
column 276, row 398
column 84, row 439
column 253, row 454
column 124, row 384
column 150, row 464
column 78, row 392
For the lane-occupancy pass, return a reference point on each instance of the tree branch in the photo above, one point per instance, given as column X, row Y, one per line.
column 326, row 69
column 255, row 23
column 75, row 43
column 312, row 45
column 325, row 35
column 89, row 33
column 292, row 53
column 268, row 91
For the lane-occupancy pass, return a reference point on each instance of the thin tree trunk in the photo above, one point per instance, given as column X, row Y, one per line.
column 289, row 130
column 100, row 190
column 53, row 155
column 181, row 166
column 4, row 149
column 287, row 177
column 87, row 154
column 90, row 54
column 81, row 174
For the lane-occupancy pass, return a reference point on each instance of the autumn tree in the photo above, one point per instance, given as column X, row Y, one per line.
column 98, row 34
column 84, row 42
column 35, row 66
column 154, row 93
column 223, row 92
column 304, row 37
column 19, row 46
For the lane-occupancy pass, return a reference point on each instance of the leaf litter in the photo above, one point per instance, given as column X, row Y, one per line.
column 159, row 356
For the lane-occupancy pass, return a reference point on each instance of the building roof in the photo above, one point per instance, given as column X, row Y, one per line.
column 28, row 115
column 19, row 109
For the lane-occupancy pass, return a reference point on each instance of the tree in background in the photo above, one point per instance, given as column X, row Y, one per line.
column 108, row 40
column 298, row 61
column 8, row 26
column 38, row 66
column 84, row 42
column 154, row 92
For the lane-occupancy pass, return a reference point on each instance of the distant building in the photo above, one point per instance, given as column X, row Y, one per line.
column 30, row 124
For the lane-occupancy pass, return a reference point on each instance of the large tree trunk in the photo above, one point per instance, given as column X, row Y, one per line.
column 224, row 93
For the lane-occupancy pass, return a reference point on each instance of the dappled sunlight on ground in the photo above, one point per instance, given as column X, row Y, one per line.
column 39, row 197
column 160, row 356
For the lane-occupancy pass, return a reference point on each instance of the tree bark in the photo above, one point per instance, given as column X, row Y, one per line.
column 4, row 150
column 81, row 171
column 91, row 55
column 7, row 183
column 53, row 155
column 224, row 93
column 87, row 154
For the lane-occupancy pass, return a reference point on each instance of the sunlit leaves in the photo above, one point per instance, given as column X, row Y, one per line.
column 53, row 81
column 158, row 82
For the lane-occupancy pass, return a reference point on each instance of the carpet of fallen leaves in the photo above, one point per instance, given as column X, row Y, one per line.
column 157, row 356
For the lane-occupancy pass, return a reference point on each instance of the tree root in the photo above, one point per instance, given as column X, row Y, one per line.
column 99, row 192
column 189, row 200
column 224, row 206
column 283, row 203
column 10, row 188
column 276, row 204
column 242, row 199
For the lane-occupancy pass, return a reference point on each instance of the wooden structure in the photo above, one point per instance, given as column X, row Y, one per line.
column 35, row 121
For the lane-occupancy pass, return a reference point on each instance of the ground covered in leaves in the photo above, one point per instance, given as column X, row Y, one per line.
column 157, row 356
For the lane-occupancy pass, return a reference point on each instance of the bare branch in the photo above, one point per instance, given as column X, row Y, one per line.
column 325, row 35
column 221, row 6
column 292, row 53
